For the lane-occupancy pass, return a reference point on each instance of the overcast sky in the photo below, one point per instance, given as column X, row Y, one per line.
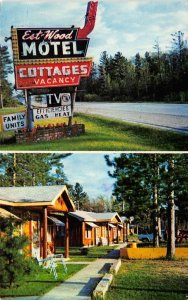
column 90, row 170
column 128, row 26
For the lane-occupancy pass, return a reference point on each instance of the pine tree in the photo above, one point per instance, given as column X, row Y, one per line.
column 5, row 69
column 80, row 197
column 14, row 264
column 29, row 169
column 146, row 184
column 179, row 48
column 104, row 78
column 130, row 188
column 171, row 212
column 138, row 72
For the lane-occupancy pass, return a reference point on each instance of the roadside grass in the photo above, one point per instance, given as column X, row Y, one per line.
column 42, row 282
column 11, row 110
column 103, row 134
column 92, row 253
column 150, row 280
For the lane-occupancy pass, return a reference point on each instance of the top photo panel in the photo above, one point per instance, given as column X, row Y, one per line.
column 94, row 75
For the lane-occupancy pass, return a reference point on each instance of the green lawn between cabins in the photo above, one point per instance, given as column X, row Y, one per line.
column 103, row 134
column 44, row 281
column 41, row 283
column 92, row 253
column 150, row 280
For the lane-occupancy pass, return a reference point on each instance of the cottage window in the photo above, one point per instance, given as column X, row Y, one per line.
column 50, row 233
column 60, row 231
column 88, row 233
column 103, row 231
column 98, row 232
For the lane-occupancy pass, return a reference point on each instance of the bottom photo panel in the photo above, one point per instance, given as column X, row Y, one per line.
column 93, row 225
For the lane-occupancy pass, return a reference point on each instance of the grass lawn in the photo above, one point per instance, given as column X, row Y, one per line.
column 104, row 134
column 12, row 110
column 92, row 254
column 150, row 280
column 42, row 282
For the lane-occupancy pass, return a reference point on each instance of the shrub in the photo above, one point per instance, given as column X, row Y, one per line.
column 14, row 264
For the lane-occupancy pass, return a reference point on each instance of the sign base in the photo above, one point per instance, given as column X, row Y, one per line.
column 50, row 133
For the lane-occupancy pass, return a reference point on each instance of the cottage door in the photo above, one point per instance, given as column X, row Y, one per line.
column 36, row 237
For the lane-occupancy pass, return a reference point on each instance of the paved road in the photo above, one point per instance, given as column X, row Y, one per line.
column 172, row 117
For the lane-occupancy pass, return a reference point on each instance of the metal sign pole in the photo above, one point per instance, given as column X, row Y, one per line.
column 26, row 103
column 30, row 124
column 73, row 98
column 1, row 95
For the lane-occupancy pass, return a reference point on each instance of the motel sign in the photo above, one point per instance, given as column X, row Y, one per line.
column 52, row 58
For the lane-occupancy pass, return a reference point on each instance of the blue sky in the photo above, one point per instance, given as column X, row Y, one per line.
column 90, row 170
column 129, row 26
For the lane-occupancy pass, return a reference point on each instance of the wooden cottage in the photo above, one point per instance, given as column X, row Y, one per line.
column 88, row 228
column 40, row 207
column 110, row 228
column 82, row 229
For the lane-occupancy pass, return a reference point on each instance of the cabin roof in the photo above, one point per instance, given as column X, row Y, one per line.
column 34, row 195
column 107, row 216
column 95, row 217
column 82, row 215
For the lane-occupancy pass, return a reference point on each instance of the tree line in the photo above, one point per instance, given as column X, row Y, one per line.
column 153, row 189
column 30, row 169
column 158, row 76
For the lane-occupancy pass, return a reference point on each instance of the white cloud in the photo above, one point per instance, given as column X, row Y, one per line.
column 90, row 170
column 131, row 37
column 31, row 2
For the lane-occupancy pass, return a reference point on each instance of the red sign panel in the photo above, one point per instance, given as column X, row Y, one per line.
column 51, row 74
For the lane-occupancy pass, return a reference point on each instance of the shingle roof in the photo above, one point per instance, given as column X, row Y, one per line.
column 82, row 216
column 104, row 216
column 31, row 194
column 93, row 216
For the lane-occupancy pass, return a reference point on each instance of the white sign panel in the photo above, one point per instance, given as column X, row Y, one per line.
column 51, row 100
column 52, row 112
column 14, row 121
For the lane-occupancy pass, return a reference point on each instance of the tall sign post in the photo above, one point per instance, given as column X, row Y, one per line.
column 51, row 58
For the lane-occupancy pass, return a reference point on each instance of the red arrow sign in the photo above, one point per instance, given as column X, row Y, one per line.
column 89, row 21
